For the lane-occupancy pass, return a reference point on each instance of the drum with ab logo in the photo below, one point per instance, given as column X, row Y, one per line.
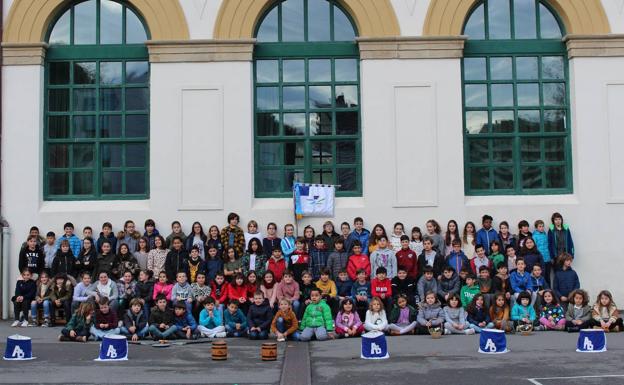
column 113, row 348
column 18, row 348
column 492, row 341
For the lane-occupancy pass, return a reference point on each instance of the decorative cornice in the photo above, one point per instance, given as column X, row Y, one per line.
column 611, row 45
column 200, row 50
column 15, row 54
column 412, row 47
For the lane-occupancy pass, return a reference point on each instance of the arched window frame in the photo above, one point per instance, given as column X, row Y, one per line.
column 306, row 170
column 548, row 169
column 118, row 176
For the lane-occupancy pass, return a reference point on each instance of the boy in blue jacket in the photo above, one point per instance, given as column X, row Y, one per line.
column 566, row 280
column 211, row 320
column 559, row 237
column 359, row 233
column 520, row 279
column 486, row 234
column 541, row 242
column 259, row 317
column 185, row 323
column 25, row 292
column 235, row 321
column 361, row 293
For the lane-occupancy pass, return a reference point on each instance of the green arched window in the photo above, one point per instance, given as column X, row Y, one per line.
column 307, row 109
column 516, row 103
column 96, row 104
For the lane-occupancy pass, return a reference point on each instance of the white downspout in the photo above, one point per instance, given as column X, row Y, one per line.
column 6, row 294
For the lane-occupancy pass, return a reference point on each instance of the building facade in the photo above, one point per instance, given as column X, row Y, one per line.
column 418, row 109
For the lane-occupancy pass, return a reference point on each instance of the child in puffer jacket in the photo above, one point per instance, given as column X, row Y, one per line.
column 430, row 315
column 551, row 313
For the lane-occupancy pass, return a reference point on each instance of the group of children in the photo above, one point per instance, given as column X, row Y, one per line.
column 242, row 284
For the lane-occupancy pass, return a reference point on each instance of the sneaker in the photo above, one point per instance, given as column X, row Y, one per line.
column 469, row 331
column 281, row 339
column 32, row 324
column 46, row 323
column 24, row 324
column 220, row 335
column 15, row 323
column 540, row 328
column 62, row 338
column 447, row 332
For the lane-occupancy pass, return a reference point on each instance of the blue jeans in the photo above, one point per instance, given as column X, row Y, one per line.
column 232, row 332
column 295, row 306
column 478, row 329
column 258, row 335
column 141, row 333
column 158, row 334
column 46, row 304
column 98, row 334
column 281, row 327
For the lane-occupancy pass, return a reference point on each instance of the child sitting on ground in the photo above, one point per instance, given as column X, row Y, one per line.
column 348, row 323
column 161, row 319
column 469, row 291
column 430, row 314
column 522, row 313
column 106, row 321
column 478, row 315
column 605, row 314
column 317, row 320
column 234, row 320
column 259, row 317
column 551, row 313
column 376, row 319
column 402, row 317
column 285, row 324
column 579, row 313
column 499, row 313
column 426, row 283
column 211, row 320
column 186, row 327
column 455, row 317
column 78, row 327
column 135, row 321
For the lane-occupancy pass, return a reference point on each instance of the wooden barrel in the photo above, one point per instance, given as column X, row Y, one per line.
column 269, row 351
column 219, row 350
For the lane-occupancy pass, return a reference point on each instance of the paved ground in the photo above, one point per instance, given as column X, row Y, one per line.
column 536, row 359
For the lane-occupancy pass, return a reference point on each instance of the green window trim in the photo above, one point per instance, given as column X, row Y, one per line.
column 301, row 86
column 516, row 106
column 96, row 118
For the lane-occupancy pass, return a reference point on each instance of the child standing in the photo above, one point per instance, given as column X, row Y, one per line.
column 277, row 264
column 579, row 313
column 271, row 241
column 32, row 257
column 452, row 234
column 285, row 324
column 384, row 257
column 505, row 236
column 559, row 237
column 456, row 258
column 551, row 314
column 176, row 260
column 566, row 279
column 541, row 241
column 255, row 259
column 481, row 259
column 398, row 232
column 337, row 259
column 259, row 317
column 232, row 235
column 176, row 231
column 434, row 233
column 211, row 320
column 288, row 244
column 468, row 240
column 77, row 329
column 348, row 323
column 416, row 243
column 300, row 259
column 430, row 314
column 317, row 320
column 455, row 317
column 487, row 233
column 376, row 316
column 478, row 314
column 253, row 232
column 25, row 293
column 530, row 255
column 359, row 234
column 106, row 235
column 402, row 317
column 407, row 258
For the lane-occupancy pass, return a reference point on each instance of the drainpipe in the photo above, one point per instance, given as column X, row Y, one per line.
column 4, row 241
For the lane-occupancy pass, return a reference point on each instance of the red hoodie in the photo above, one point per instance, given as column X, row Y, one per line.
column 236, row 292
column 409, row 260
column 221, row 296
column 277, row 267
column 381, row 287
column 357, row 262
column 251, row 290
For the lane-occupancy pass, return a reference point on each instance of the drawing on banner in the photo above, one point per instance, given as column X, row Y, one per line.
column 314, row 200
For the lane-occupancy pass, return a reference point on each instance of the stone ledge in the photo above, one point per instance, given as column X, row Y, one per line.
column 412, row 47
column 14, row 54
column 611, row 45
column 200, row 50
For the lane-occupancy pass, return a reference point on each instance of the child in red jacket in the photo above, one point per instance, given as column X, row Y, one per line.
column 381, row 287
column 219, row 290
column 358, row 261
column 299, row 260
column 407, row 258
column 277, row 264
column 237, row 290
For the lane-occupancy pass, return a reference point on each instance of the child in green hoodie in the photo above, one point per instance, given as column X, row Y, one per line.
column 317, row 320
column 469, row 290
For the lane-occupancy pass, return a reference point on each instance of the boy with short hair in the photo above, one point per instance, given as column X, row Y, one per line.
column 305, row 288
column 161, row 320
column 358, row 261
column 106, row 235
column 219, row 288
column 232, row 235
column 328, row 289
column 186, row 327
column 318, row 257
column 510, row 258
column 31, row 257
column 523, row 232
column 211, row 320
column 500, row 282
column 457, row 259
column 540, row 237
column 448, row 285
column 384, row 257
column 277, row 264
column 317, row 320
column 337, row 259
column 285, row 323
column 407, row 258
column 259, row 317
column 485, row 286
column 135, row 321
column 49, row 249
column 480, row 259
column 430, row 257
column 426, row 283
column 486, row 234
column 106, row 321
column 469, row 291
column 299, row 260
column 74, row 241
column 520, row 279
column 359, row 234
column 537, row 284
column 343, row 286
column 234, row 320
column 361, row 293
column 87, row 232
column 181, row 292
column 381, row 287
column 404, row 285
column 25, row 292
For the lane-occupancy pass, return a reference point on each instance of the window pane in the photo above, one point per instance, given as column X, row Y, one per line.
column 137, row 99
column 135, row 182
column 347, row 179
column 347, row 123
column 475, row 27
column 320, row 97
column 294, row 124
column 83, row 155
column 346, row 152
column 503, row 178
column 294, row 154
column 137, row 72
column 500, row 68
column 322, row 153
column 526, row 68
column 318, row 21
column 110, row 22
column 499, row 19
column 479, row 178
column 319, row 70
column 58, row 100
column 323, row 176
column 554, row 149
column 83, row 183
column 476, row 95
column 502, row 121
column 136, row 155
column 84, row 73
column 293, row 70
column 528, row 121
column 59, row 72
column 267, row 98
column 554, row 121
column 552, row 67
column 84, row 99
column 135, row 32
column 502, row 150
column 58, row 127
column 60, row 33
column 110, row 99
column 347, row 96
column 84, row 126
column 267, row 71
column 111, row 182
column 58, row 155
column 502, row 95
column 530, row 148
column 555, row 177
column 321, row 123
column 268, row 124
column 345, row 70
column 268, row 29
column 476, row 122
column 554, row 94
column 524, row 17
column 294, row 97
column 549, row 28
column 110, row 73
column 478, row 150
column 269, row 154
column 110, row 126
column 111, row 155
column 137, row 126
column 531, row 177
column 269, row 181
column 474, row 68
column 528, row 94
column 292, row 20
column 59, row 183
column 292, row 175
column 85, row 23
column 343, row 30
